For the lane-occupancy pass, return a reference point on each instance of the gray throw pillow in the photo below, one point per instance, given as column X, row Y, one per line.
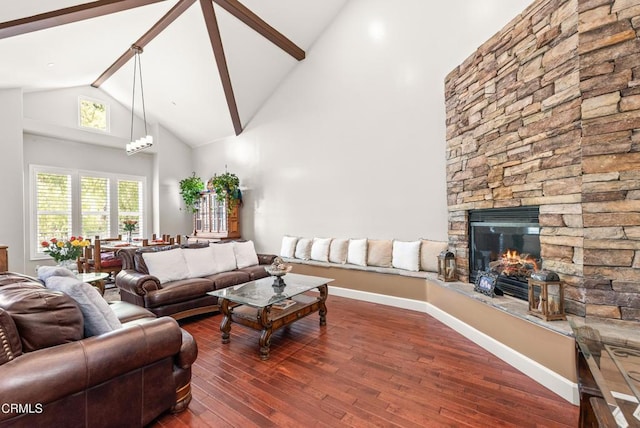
column 98, row 316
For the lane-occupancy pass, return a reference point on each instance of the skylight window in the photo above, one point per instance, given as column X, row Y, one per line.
column 94, row 114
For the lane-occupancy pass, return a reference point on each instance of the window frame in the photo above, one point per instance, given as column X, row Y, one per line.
column 76, row 206
column 107, row 108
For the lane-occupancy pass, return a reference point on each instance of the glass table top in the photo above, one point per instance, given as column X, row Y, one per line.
column 92, row 276
column 616, row 370
column 262, row 292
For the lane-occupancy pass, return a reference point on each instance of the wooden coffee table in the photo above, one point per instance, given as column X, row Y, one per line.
column 252, row 304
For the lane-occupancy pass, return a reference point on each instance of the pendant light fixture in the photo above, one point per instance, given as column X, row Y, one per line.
column 146, row 141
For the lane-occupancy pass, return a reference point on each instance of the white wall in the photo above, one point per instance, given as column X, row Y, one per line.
column 352, row 144
column 40, row 150
column 55, row 113
column 11, row 190
column 173, row 163
column 52, row 137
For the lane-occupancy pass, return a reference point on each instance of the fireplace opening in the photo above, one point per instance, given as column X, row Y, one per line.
column 505, row 241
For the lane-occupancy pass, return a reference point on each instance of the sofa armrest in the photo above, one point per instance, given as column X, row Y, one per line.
column 188, row 351
column 137, row 283
column 266, row 259
column 49, row 374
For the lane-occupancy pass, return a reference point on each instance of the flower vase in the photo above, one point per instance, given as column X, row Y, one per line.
column 129, row 237
column 71, row 265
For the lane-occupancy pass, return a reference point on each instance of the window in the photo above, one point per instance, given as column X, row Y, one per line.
column 72, row 202
column 93, row 114
column 53, row 201
column 129, row 204
column 94, row 196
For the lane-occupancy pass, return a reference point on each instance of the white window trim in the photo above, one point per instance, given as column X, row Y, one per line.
column 76, row 208
column 108, row 115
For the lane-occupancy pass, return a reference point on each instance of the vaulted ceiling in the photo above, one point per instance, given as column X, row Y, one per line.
column 184, row 87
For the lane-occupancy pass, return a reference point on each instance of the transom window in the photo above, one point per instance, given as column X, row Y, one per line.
column 70, row 202
column 93, row 114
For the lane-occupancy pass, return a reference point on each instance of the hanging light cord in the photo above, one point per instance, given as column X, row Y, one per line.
column 133, row 96
column 145, row 141
column 144, row 112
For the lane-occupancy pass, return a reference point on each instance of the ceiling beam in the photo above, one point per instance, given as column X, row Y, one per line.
column 218, row 51
column 157, row 28
column 245, row 15
column 68, row 15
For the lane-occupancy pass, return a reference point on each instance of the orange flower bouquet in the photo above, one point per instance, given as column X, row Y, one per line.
column 65, row 249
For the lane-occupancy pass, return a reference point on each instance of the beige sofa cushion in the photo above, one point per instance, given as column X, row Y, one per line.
column 379, row 252
column 338, row 250
column 429, row 251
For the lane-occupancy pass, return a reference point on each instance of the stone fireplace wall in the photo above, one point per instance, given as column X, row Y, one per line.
column 547, row 112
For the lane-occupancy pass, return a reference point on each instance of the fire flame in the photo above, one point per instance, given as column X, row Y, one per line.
column 514, row 263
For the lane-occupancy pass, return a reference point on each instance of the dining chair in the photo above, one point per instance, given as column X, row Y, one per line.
column 98, row 259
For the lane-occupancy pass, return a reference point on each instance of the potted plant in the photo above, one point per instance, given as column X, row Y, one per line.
column 190, row 189
column 226, row 186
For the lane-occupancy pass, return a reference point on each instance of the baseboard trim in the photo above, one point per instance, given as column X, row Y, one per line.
column 565, row 388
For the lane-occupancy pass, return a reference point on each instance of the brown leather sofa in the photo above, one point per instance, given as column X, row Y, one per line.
column 50, row 375
column 182, row 298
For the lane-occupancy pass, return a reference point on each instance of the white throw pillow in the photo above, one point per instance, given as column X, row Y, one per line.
column 320, row 249
column 288, row 248
column 245, row 254
column 168, row 265
column 224, row 257
column 303, row 249
column 338, row 250
column 406, row 255
column 200, row 262
column 429, row 252
column 98, row 317
column 357, row 252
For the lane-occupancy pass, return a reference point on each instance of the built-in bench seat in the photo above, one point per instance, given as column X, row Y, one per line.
column 384, row 270
column 542, row 350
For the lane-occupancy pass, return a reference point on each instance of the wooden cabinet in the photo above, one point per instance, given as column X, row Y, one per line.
column 4, row 258
column 214, row 220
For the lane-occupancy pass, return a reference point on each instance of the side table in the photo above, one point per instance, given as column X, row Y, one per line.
column 94, row 278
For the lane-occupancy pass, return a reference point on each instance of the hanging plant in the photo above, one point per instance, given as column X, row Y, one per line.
column 226, row 186
column 190, row 189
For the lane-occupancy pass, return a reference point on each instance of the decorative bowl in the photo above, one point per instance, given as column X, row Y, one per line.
column 276, row 271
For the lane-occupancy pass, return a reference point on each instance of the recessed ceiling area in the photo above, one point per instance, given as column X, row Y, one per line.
column 182, row 85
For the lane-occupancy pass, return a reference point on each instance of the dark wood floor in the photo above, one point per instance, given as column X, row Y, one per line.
column 372, row 365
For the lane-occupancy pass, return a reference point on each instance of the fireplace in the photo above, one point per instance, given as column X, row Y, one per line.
column 505, row 241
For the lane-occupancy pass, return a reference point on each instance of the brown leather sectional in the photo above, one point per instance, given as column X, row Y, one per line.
column 182, row 298
column 50, row 375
